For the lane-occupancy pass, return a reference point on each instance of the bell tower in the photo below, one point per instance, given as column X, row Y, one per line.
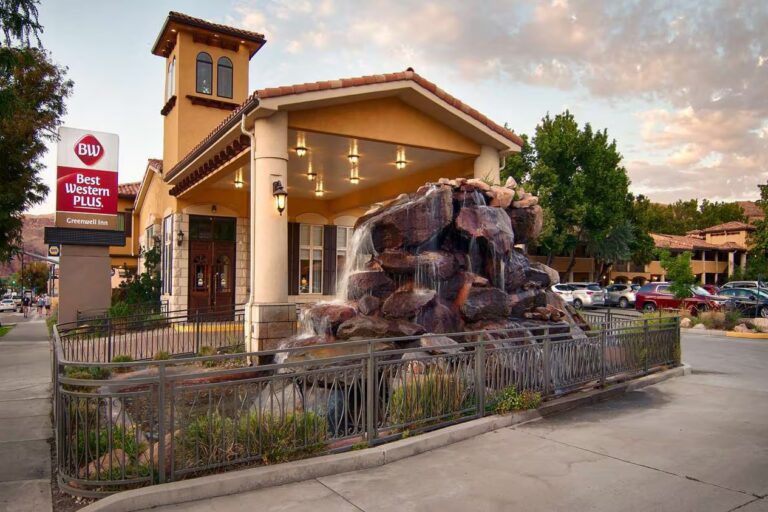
column 206, row 77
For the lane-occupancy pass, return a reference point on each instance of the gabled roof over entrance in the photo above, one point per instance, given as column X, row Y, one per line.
column 407, row 85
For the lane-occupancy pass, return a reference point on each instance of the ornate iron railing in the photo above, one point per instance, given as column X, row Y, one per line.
column 135, row 423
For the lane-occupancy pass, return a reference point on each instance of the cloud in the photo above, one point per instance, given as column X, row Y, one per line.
column 701, row 64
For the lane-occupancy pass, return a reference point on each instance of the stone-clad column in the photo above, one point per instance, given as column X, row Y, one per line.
column 269, row 315
column 487, row 165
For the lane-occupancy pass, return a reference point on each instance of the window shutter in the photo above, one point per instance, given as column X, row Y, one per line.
column 329, row 260
column 293, row 258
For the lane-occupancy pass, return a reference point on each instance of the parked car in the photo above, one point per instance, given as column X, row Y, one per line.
column 621, row 295
column 7, row 305
column 750, row 302
column 565, row 291
column 655, row 296
column 744, row 284
column 587, row 294
column 712, row 289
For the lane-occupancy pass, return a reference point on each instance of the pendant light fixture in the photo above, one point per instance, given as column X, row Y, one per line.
column 353, row 156
column 319, row 188
column 301, row 144
column 400, row 161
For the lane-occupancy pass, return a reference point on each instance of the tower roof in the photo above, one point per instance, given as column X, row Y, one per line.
column 212, row 33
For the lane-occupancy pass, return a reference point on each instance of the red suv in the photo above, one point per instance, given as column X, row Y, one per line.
column 655, row 296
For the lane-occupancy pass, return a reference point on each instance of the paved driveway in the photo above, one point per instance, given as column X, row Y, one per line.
column 696, row 443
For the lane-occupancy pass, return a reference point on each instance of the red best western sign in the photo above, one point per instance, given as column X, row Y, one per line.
column 86, row 185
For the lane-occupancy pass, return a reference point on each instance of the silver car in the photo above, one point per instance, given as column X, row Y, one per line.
column 565, row 291
column 587, row 295
column 621, row 295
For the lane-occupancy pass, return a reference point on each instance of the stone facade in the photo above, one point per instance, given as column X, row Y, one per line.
column 269, row 324
column 178, row 298
column 242, row 257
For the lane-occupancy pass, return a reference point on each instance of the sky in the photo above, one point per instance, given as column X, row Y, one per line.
column 681, row 86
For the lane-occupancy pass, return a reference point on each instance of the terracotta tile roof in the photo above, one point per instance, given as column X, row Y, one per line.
column 689, row 243
column 274, row 92
column 128, row 190
column 156, row 163
column 254, row 38
column 408, row 74
column 751, row 210
column 729, row 226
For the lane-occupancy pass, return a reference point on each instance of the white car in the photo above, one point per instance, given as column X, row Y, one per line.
column 587, row 294
column 7, row 305
column 565, row 291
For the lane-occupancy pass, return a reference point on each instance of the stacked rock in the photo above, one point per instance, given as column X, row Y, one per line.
column 446, row 259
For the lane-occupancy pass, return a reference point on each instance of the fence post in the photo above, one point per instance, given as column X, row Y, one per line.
column 370, row 399
column 645, row 345
column 109, row 339
column 197, row 331
column 677, row 354
column 480, row 378
column 545, row 364
column 603, row 346
column 161, row 423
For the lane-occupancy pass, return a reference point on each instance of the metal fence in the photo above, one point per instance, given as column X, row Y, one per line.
column 144, row 309
column 143, row 336
column 129, row 424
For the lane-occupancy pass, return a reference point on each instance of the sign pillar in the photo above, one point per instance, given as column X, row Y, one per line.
column 86, row 219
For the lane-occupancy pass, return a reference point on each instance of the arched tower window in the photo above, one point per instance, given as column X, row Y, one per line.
column 204, row 74
column 224, row 77
column 170, row 81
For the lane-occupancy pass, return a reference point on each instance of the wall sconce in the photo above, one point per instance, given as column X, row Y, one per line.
column 319, row 188
column 280, row 195
column 238, row 183
column 354, row 175
column 239, row 178
column 179, row 238
column 213, row 208
column 301, row 151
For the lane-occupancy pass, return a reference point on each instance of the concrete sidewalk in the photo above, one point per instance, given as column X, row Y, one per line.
column 694, row 443
column 25, row 422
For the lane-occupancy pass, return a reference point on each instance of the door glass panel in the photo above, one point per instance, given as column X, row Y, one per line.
column 200, row 228
column 222, row 273
column 201, row 273
column 304, row 234
column 224, row 229
column 304, row 271
column 317, row 270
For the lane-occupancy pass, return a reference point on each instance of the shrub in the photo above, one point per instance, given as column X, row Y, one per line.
column 119, row 310
column 732, row 319
column 162, row 355
column 98, row 442
column 208, row 439
column 430, row 395
column 122, row 358
column 206, row 351
column 508, row 400
column 279, row 439
column 87, row 372
column 720, row 320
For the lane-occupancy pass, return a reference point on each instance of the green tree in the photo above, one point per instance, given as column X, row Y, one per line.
column 678, row 271
column 714, row 213
column 32, row 95
column 36, row 276
column 582, row 187
column 143, row 288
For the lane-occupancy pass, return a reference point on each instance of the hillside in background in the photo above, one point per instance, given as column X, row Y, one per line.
column 33, row 231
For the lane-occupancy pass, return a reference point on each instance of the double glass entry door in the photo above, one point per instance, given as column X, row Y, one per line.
column 211, row 267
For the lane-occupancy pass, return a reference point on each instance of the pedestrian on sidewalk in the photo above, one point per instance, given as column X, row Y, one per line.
column 47, row 305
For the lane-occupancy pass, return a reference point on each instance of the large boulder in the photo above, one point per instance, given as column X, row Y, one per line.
column 399, row 327
column 522, row 301
column 412, row 223
column 325, row 318
column 368, row 304
column 363, row 327
column 516, row 270
column 488, row 223
column 439, row 317
column 433, row 264
column 406, row 303
column 527, row 223
column 485, row 304
column 554, row 275
column 439, row 345
column 371, row 282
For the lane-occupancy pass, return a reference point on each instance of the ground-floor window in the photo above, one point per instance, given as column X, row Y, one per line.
column 167, row 255
column 310, row 258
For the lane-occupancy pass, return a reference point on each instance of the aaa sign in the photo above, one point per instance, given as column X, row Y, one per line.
column 86, row 185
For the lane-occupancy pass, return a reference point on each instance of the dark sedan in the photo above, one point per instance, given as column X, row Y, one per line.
column 747, row 301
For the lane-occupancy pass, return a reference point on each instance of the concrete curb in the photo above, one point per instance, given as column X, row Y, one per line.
column 261, row 477
column 747, row 335
column 704, row 332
